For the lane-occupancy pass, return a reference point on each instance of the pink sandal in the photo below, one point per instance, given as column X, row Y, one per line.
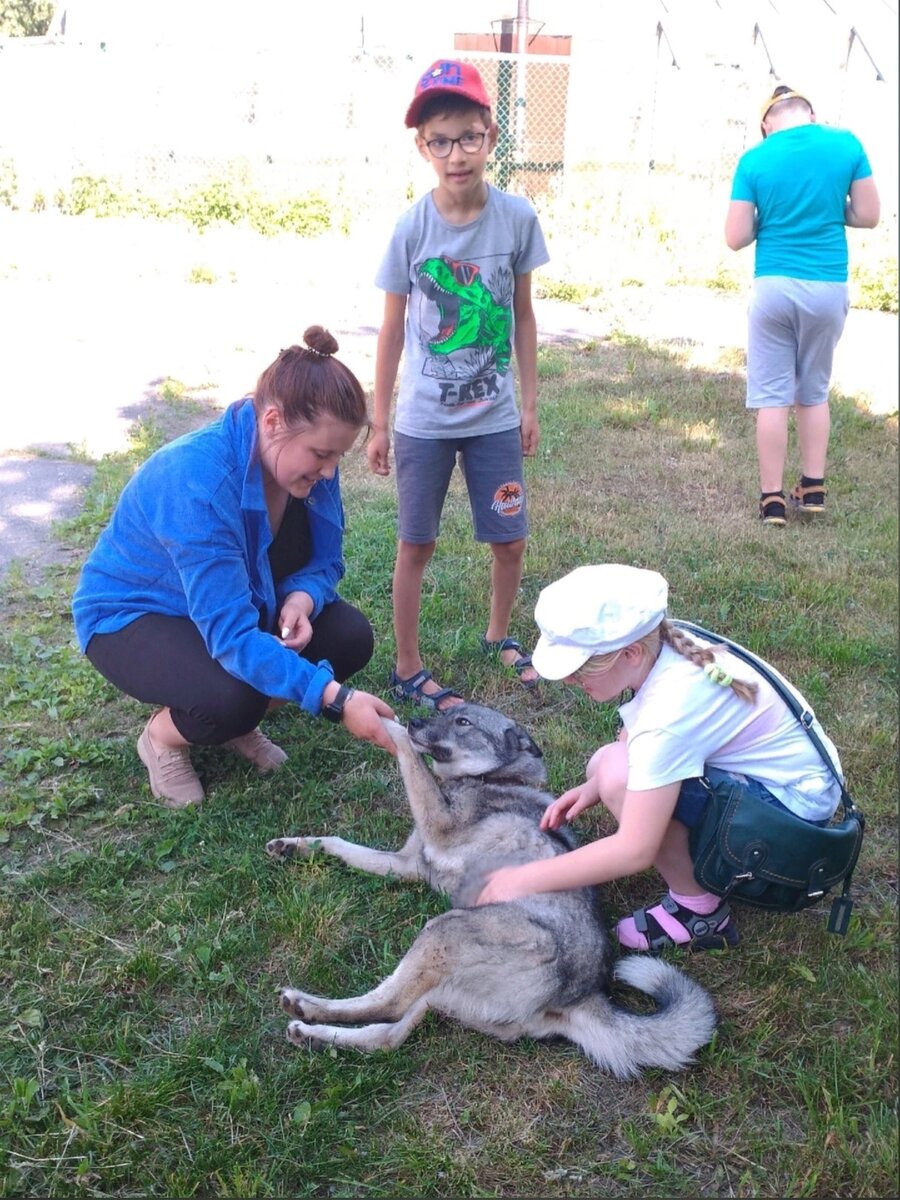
column 712, row 931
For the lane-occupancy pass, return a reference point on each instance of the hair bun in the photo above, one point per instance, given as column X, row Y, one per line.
column 320, row 341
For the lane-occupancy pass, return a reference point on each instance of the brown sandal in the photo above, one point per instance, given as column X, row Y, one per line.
column 809, row 499
column 771, row 508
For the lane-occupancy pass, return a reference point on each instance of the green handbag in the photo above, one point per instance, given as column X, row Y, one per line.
column 747, row 850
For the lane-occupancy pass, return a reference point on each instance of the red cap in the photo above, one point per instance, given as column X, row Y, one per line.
column 447, row 77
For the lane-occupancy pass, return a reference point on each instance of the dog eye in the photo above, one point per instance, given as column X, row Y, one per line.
column 463, row 721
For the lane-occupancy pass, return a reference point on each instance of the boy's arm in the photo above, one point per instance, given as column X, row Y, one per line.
column 740, row 224
column 526, row 362
column 387, row 361
column 862, row 209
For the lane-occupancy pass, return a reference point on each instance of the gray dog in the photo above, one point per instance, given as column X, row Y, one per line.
column 537, row 967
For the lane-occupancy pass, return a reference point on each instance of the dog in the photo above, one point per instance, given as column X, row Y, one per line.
column 540, row 966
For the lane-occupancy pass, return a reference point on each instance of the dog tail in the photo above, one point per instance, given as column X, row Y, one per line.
column 624, row 1042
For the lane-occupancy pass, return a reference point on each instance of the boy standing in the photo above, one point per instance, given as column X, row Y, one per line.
column 457, row 283
column 793, row 194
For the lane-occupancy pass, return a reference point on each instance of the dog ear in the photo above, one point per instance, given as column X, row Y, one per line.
column 519, row 741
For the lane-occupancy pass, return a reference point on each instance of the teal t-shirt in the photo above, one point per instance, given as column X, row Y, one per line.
column 799, row 179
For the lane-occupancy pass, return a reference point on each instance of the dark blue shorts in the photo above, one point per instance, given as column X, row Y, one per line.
column 494, row 475
column 694, row 795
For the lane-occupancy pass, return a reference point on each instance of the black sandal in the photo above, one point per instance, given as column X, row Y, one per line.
column 411, row 690
column 772, row 509
column 522, row 662
column 707, row 932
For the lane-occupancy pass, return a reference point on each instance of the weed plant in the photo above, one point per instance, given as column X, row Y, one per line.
column 142, row 950
column 643, row 229
column 216, row 201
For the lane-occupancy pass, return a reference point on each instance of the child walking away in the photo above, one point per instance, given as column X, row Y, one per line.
column 697, row 716
column 457, row 283
column 793, row 194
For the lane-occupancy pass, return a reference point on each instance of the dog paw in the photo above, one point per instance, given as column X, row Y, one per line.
column 287, row 847
column 298, row 1004
column 304, row 1036
column 396, row 732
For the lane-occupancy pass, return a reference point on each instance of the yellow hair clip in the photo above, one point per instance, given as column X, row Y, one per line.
column 716, row 674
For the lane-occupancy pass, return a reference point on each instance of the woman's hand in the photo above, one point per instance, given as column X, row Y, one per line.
column 570, row 804
column 362, row 717
column 294, row 624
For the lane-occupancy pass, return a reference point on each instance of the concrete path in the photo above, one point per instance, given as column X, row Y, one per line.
column 98, row 315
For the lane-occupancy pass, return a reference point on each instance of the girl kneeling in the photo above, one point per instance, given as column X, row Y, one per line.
column 697, row 715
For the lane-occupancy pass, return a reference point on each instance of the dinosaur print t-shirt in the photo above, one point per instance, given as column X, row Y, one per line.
column 457, row 377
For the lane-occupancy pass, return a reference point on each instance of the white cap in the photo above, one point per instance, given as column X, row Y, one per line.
column 595, row 610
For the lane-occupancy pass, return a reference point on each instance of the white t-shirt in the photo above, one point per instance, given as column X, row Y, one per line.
column 457, row 378
column 679, row 722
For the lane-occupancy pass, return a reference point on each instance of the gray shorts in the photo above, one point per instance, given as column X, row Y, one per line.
column 794, row 327
column 493, row 469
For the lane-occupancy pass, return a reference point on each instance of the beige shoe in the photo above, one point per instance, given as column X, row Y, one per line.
column 257, row 748
column 172, row 778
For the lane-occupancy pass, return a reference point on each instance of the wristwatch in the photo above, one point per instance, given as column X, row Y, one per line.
column 335, row 710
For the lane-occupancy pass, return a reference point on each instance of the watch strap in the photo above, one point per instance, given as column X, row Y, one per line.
column 334, row 711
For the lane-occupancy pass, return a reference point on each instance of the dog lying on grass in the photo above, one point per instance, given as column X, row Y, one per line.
column 540, row 966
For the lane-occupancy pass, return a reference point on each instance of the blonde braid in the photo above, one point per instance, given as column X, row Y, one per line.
column 704, row 657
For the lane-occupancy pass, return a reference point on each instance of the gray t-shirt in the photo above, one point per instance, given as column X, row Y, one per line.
column 457, row 377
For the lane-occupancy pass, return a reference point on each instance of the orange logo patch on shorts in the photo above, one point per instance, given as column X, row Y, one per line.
column 508, row 499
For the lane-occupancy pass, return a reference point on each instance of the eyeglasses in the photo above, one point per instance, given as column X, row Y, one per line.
column 441, row 147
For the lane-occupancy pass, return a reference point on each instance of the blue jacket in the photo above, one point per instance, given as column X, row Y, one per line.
column 189, row 538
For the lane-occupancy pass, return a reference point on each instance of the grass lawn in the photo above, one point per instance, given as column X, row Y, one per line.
column 142, row 950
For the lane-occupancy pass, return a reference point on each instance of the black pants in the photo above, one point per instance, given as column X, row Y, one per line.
column 163, row 660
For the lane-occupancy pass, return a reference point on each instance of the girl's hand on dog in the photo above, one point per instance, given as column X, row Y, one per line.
column 570, row 804
column 506, row 883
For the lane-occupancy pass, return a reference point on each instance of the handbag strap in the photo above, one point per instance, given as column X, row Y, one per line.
column 803, row 714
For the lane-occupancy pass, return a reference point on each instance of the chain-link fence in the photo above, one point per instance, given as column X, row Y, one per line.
column 627, row 179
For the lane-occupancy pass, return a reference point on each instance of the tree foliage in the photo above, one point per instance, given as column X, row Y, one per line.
column 25, row 18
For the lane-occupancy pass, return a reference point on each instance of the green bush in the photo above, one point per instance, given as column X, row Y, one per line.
column 95, row 194
column 724, row 280
column 9, row 183
column 25, row 18
column 201, row 275
column 875, row 290
column 218, row 200
column 227, row 201
column 308, row 216
column 560, row 289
